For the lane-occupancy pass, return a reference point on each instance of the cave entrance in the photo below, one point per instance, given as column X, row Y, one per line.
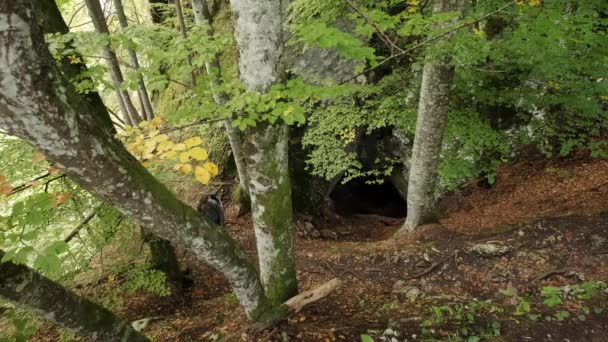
column 359, row 197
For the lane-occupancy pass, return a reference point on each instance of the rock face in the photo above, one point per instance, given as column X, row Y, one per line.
column 490, row 249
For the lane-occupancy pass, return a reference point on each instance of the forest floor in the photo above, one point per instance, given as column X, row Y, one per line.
column 501, row 264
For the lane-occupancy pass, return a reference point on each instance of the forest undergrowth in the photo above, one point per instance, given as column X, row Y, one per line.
column 524, row 259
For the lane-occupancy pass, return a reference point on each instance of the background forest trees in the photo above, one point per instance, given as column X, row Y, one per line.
column 297, row 102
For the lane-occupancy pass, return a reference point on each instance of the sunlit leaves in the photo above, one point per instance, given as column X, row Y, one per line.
column 147, row 143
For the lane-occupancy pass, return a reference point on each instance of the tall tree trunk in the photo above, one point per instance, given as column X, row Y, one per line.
column 433, row 106
column 29, row 290
column 184, row 31
column 202, row 16
column 99, row 22
column 259, row 37
column 143, row 92
column 37, row 105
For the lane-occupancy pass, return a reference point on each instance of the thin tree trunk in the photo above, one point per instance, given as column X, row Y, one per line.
column 29, row 290
column 202, row 16
column 99, row 22
column 184, row 32
column 433, row 106
column 45, row 110
column 259, row 37
column 143, row 92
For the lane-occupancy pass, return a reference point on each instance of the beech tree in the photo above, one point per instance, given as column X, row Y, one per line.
column 143, row 91
column 39, row 106
column 433, row 107
column 29, row 290
column 259, row 36
column 130, row 114
column 202, row 16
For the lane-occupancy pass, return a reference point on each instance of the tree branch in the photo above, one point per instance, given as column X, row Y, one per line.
column 83, row 223
column 427, row 41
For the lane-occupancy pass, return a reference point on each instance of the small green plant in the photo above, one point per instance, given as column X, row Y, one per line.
column 152, row 281
column 230, row 299
column 23, row 327
column 366, row 338
column 561, row 173
column 552, row 296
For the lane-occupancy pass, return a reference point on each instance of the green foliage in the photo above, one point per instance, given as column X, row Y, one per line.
column 152, row 281
column 23, row 327
column 366, row 338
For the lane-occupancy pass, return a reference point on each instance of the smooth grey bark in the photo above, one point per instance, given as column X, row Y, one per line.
column 37, row 105
column 143, row 91
column 202, row 16
column 259, row 36
column 31, row 291
column 433, row 106
column 99, row 22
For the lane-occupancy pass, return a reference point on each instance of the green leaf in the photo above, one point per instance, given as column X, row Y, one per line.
column 366, row 338
column 57, row 247
column 47, row 264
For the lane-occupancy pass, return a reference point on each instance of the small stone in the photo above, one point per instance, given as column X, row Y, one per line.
column 328, row 234
column 412, row 294
column 490, row 249
column 315, row 234
column 598, row 241
column 308, row 226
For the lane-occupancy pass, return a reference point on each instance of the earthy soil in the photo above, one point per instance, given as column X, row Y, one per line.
column 552, row 216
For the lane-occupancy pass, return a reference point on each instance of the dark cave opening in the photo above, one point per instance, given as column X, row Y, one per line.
column 359, row 197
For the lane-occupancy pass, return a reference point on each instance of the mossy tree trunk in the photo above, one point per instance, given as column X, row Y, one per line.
column 29, row 290
column 433, row 106
column 39, row 106
column 130, row 114
column 143, row 91
column 259, row 36
column 202, row 16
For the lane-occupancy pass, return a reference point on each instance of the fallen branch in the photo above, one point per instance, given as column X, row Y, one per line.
column 428, row 270
column 549, row 274
column 295, row 304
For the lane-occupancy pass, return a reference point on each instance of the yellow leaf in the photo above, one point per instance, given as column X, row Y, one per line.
column 145, row 164
column 153, row 133
column 161, row 138
column 177, row 166
column 156, row 121
column 212, row 168
column 147, row 156
column 140, row 148
column 198, row 153
column 6, row 189
column 184, row 157
column 169, row 155
column 202, row 175
column 165, row 145
column 179, row 147
column 38, row 157
column 194, row 141
column 143, row 124
column 53, row 170
column 186, row 168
